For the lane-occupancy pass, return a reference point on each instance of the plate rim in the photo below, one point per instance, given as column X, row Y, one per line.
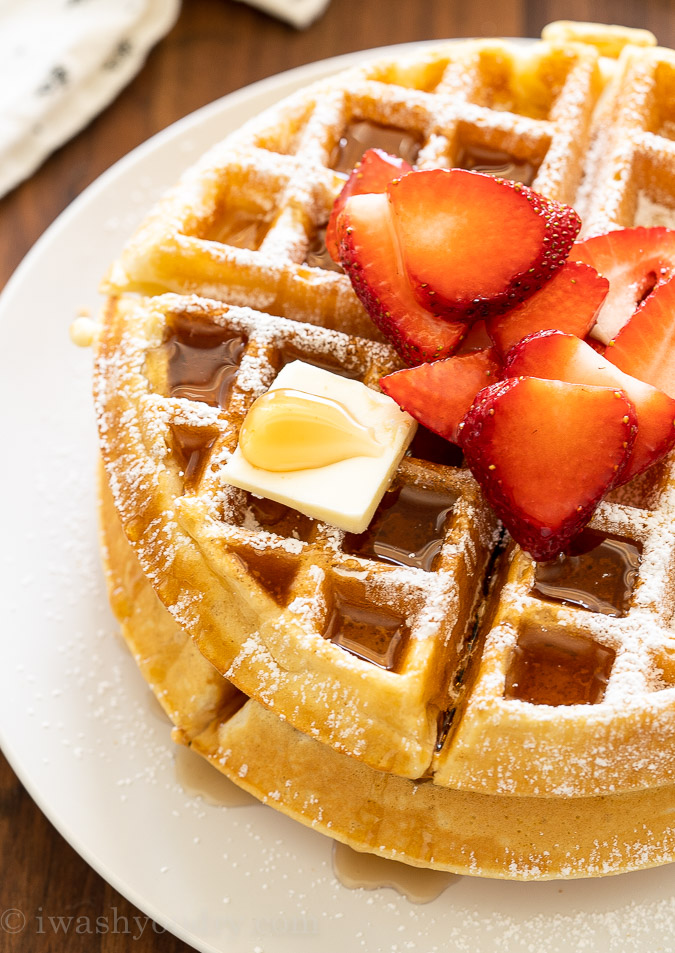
column 277, row 87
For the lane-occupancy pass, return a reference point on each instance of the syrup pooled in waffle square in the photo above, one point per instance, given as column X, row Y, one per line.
column 354, row 638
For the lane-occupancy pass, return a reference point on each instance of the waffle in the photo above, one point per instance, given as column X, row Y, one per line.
column 263, row 588
column 246, row 223
column 419, row 823
column 630, row 178
column 455, row 669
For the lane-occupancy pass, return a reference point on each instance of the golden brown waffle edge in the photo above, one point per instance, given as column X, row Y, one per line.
column 515, row 838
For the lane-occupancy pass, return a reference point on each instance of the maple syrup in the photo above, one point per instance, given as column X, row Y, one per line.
column 199, row 778
column 273, row 571
column 291, row 352
column 287, row 430
column 355, row 869
column 361, row 135
column 318, row 255
column 240, row 228
column 276, row 518
column 598, row 574
column 428, row 446
column 554, row 667
column 202, row 361
column 367, row 631
column 192, row 449
column 408, row 528
column 479, row 158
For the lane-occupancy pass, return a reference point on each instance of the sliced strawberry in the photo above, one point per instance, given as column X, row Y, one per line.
column 635, row 260
column 545, row 452
column 568, row 302
column 439, row 394
column 563, row 357
column 645, row 347
column 372, row 174
column 473, row 245
column 370, row 256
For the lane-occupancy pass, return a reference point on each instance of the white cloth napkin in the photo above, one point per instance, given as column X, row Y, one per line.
column 298, row 12
column 63, row 61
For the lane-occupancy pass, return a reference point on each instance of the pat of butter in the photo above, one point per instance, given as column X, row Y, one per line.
column 345, row 493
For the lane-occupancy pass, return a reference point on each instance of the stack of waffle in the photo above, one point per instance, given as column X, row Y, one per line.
column 423, row 689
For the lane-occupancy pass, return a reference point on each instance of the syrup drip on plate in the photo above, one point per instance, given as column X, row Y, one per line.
column 419, row 885
column 199, row 778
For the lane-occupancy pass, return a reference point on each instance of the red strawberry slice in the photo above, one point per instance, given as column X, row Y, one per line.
column 645, row 347
column 473, row 245
column 568, row 302
column 544, row 453
column 370, row 256
column 635, row 260
column 563, row 357
column 439, row 394
column 372, row 174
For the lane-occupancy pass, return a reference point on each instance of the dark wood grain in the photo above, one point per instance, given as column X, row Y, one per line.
column 216, row 46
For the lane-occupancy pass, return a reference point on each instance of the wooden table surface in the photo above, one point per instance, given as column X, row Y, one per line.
column 216, row 46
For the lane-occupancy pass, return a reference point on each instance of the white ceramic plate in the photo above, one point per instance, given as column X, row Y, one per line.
column 78, row 723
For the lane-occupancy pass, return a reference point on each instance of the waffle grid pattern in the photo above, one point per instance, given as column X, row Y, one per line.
column 509, row 746
column 534, row 103
column 631, row 179
column 517, row 838
column 210, row 548
column 238, row 228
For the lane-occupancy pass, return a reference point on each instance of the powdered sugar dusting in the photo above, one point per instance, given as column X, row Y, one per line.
column 284, row 582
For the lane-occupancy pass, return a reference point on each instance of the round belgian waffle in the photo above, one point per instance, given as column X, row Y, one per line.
column 469, row 669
